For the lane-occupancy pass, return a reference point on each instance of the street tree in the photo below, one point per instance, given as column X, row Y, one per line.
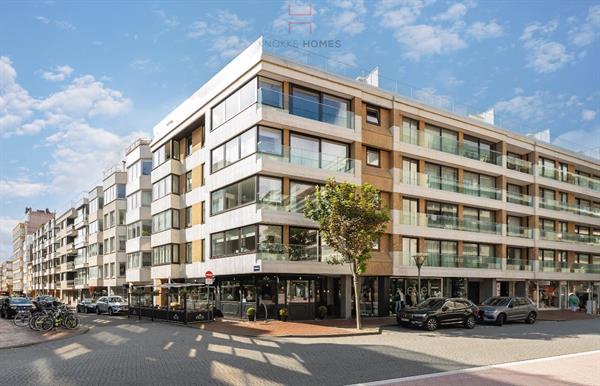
column 351, row 218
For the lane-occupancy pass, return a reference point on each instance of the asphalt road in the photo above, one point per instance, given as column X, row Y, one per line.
column 116, row 351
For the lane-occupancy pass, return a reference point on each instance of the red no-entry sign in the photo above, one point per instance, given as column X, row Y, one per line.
column 209, row 278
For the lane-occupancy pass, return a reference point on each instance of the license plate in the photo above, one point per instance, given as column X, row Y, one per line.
column 404, row 319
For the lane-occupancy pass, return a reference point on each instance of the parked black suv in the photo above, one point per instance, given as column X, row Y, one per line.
column 435, row 312
column 11, row 306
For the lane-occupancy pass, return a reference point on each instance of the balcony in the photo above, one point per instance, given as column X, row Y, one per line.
column 68, row 266
column 459, row 261
column 518, row 198
column 584, row 210
column 66, row 284
column 553, row 266
column 585, row 268
column 450, row 222
column 520, row 165
column 569, row 237
column 80, row 281
column 306, row 158
column 450, row 185
column 292, row 252
column 80, row 262
column 80, row 221
column 519, row 231
column 306, row 108
column 518, row 265
column 568, row 177
column 451, row 146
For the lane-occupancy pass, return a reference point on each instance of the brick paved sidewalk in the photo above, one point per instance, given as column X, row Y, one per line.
column 564, row 315
column 324, row 328
column 12, row 336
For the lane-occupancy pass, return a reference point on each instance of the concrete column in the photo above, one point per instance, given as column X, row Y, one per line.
column 346, row 311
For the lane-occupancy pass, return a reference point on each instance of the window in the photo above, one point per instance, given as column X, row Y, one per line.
column 188, row 182
column 234, row 104
column 478, row 149
column 121, row 269
column 188, row 253
column 373, row 115
column 441, row 215
column 167, row 185
column 270, row 140
column 122, row 244
column 376, row 245
column 233, row 150
column 202, row 212
column 188, row 145
column 304, row 244
column 139, row 228
column 237, row 194
column 373, row 157
column 410, row 131
column 442, row 177
column 165, row 220
column 299, row 192
column 141, row 198
column 319, row 106
column 139, row 168
column 202, row 174
column 165, row 254
column 270, row 92
column 270, row 190
column 114, row 192
column 188, row 217
column 440, row 253
column 441, row 139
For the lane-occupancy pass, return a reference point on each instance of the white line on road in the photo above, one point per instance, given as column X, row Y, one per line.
column 472, row 369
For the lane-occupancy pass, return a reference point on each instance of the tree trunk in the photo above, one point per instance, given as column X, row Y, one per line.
column 356, row 296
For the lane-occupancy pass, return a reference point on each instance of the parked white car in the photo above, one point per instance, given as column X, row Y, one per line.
column 111, row 304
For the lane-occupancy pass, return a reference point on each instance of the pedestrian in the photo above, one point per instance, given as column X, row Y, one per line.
column 413, row 297
column 397, row 304
column 402, row 300
column 574, row 302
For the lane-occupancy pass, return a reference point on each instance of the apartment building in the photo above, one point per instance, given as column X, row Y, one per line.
column 6, row 284
column 495, row 212
column 95, row 266
column 138, row 217
column 44, row 259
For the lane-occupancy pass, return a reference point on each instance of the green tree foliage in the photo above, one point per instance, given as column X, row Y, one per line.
column 351, row 218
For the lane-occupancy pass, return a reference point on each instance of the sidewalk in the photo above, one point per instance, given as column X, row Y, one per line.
column 320, row 328
column 564, row 315
column 12, row 336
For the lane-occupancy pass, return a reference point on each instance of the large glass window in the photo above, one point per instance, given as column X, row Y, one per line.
column 234, row 195
column 165, row 152
column 299, row 192
column 270, row 237
column 165, row 220
column 165, row 254
column 334, row 155
column 269, row 140
column 114, row 192
column 441, row 177
column 234, row 104
column 410, row 131
column 270, row 92
column 319, row 106
column 304, row 150
column 234, row 150
column 167, row 185
column 304, row 244
column 139, row 228
column 305, row 103
column 335, row 110
column 269, row 189
column 139, row 199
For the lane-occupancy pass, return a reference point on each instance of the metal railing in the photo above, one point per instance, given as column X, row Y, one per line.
column 569, row 237
column 449, row 185
column 568, row 177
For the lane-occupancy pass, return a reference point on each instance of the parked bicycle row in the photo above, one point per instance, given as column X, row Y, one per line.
column 44, row 313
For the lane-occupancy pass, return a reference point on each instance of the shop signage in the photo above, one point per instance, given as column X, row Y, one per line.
column 563, row 283
column 256, row 268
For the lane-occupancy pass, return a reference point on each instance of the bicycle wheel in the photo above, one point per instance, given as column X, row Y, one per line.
column 21, row 320
column 33, row 322
column 70, row 322
column 45, row 323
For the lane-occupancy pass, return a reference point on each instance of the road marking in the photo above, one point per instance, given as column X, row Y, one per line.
column 168, row 346
column 473, row 369
column 192, row 353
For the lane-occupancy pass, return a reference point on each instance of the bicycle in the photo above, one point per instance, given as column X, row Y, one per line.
column 22, row 318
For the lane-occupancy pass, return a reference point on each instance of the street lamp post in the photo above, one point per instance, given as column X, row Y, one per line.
column 419, row 261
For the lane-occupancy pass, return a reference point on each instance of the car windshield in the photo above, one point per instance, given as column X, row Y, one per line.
column 116, row 299
column 430, row 303
column 19, row 301
column 502, row 302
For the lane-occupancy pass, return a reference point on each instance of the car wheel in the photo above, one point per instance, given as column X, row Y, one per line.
column 501, row 319
column 98, row 310
column 531, row 318
column 470, row 322
column 110, row 312
column 431, row 324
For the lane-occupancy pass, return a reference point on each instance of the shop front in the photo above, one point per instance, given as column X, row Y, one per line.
column 554, row 294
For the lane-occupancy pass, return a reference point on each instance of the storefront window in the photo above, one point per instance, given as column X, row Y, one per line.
column 299, row 291
column 369, row 297
column 230, row 291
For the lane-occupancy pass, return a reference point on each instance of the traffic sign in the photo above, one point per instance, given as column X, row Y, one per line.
column 209, row 281
column 208, row 275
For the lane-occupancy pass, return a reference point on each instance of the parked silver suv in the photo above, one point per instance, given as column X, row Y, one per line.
column 111, row 304
column 501, row 309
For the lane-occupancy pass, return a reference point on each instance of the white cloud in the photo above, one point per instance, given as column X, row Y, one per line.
column 430, row 96
column 220, row 23
column 544, row 56
column 59, row 74
column 197, row 29
column 346, row 18
column 20, row 188
column 423, row 39
column 454, row 13
column 587, row 32
column 144, row 65
column 524, row 107
column 167, row 20
column 226, row 47
column 585, row 141
column 480, row 30
column 588, row 115
column 62, row 24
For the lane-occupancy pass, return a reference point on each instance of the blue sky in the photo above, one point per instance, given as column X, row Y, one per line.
column 78, row 82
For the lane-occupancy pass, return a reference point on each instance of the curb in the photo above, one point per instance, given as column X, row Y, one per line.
column 80, row 331
column 374, row 331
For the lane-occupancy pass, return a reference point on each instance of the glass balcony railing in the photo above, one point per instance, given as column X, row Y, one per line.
column 452, row 146
column 450, row 222
column 80, row 260
column 281, row 202
column 569, row 177
column 518, row 265
column 569, row 237
column 294, row 252
column 518, row 198
column 449, row 185
column 585, row 268
column 306, row 158
column 518, row 164
column 462, row 261
column 519, row 231
column 584, row 210
column 334, row 112
column 80, row 281
column 553, row 266
column 547, row 203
